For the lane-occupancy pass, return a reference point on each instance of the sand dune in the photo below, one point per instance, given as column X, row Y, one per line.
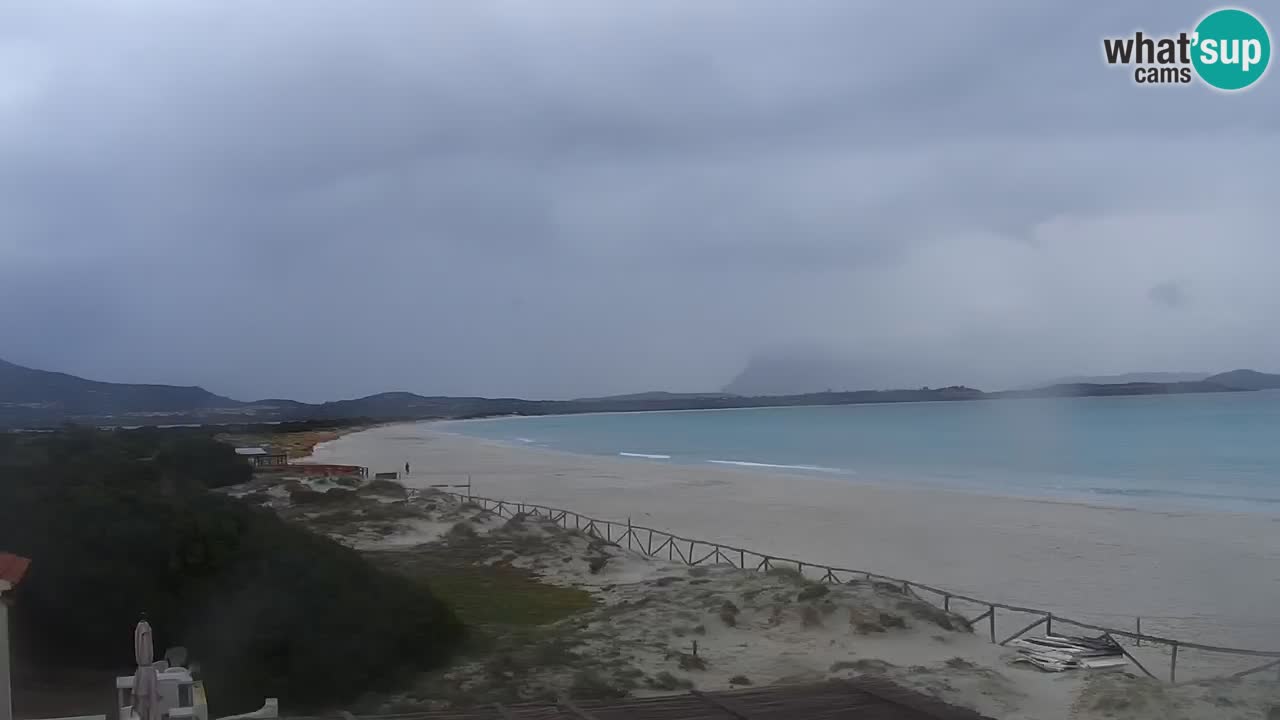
column 660, row 627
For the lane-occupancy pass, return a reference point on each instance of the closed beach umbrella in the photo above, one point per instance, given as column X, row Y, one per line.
column 146, row 686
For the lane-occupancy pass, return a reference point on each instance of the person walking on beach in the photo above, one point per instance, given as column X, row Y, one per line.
column 406, row 468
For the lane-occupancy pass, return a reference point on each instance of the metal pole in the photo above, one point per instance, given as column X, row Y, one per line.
column 1139, row 640
column 1173, row 664
column 991, row 621
column 6, row 697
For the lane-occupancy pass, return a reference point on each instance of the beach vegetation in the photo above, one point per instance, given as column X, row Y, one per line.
column 813, row 592
column 487, row 593
column 810, row 616
column 787, row 572
column 687, row 661
column 590, row 684
column 389, row 488
column 666, row 681
column 862, row 665
column 306, row 496
column 729, row 613
column 120, row 522
column 921, row 610
column 596, row 563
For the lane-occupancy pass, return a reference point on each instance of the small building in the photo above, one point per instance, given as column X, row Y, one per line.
column 262, row 458
column 12, row 568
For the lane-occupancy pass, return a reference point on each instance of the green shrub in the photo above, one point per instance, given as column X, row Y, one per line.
column 266, row 608
column 204, row 460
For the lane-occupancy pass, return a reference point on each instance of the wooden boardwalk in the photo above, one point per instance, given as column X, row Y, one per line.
column 857, row 699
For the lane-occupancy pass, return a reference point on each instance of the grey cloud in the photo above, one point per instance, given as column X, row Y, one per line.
column 323, row 199
column 1169, row 294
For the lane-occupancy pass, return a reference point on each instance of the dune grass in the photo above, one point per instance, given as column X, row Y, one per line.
column 500, row 595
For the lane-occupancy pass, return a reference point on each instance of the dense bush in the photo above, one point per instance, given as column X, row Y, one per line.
column 201, row 459
column 119, row 523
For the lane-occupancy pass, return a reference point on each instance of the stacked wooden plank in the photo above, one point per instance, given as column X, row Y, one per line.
column 1059, row 653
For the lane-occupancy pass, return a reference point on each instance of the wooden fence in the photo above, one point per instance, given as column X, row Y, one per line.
column 660, row 543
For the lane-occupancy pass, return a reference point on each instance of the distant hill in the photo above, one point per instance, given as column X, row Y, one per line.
column 1246, row 380
column 24, row 388
column 1113, row 389
column 658, row 396
column 1133, row 377
column 32, row 398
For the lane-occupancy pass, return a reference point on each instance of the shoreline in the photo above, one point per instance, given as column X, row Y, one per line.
column 821, row 474
column 1197, row 578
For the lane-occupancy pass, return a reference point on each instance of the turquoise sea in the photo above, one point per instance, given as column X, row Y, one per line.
column 1213, row 451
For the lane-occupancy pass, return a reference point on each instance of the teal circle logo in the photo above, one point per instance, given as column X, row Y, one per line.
column 1231, row 49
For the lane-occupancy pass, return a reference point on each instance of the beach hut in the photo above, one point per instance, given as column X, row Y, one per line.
column 263, row 458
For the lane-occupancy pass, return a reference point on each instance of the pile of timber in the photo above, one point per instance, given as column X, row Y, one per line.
column 1059, row 653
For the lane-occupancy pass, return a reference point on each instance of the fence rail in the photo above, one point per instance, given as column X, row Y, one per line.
column 660, row 543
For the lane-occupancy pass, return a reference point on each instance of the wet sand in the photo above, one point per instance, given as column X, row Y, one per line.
column 1210, row 577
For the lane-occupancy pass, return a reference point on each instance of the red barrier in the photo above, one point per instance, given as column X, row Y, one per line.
column 320, row 469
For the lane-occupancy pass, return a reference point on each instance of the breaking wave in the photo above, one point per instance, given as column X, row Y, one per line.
column 810, row 468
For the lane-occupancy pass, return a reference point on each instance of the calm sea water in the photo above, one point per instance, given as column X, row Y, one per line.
column 1217, row 451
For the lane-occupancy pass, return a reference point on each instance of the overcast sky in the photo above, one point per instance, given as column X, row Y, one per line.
column 547, row 198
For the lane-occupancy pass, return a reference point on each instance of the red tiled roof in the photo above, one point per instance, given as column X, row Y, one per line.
column 13, row 567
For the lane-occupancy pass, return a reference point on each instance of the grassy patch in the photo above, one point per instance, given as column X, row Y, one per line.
column 484, row 594
column 591, row 685
column 666, row 681
column 507, row 596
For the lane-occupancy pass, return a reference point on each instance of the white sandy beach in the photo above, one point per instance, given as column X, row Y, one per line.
column 1210, row 577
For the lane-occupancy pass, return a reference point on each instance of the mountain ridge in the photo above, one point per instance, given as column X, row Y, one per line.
column 1244, row 379
column 1121, row 378
column 21, row 385
column 31, row 398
